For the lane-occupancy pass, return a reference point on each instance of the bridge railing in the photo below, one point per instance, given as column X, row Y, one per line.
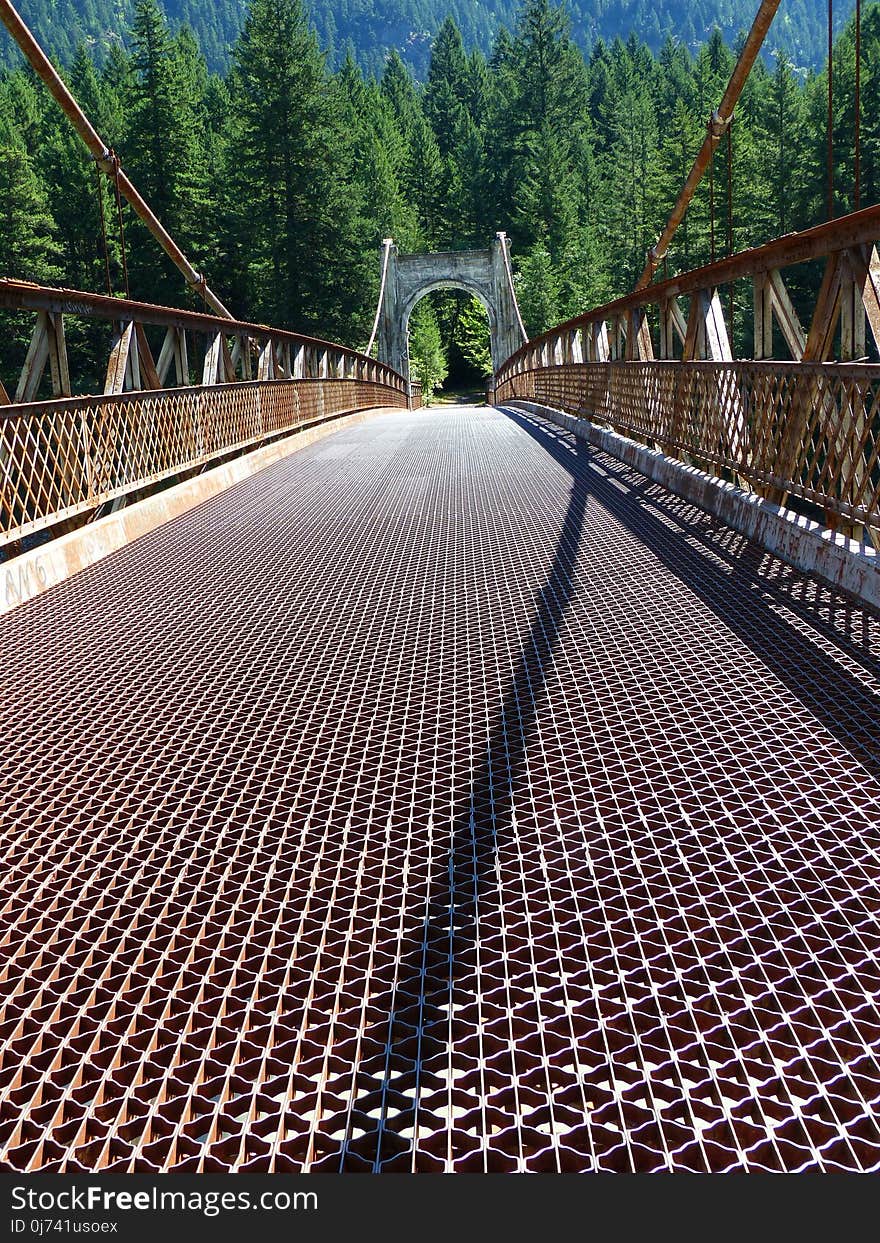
column 212, row 388
column 803, row 426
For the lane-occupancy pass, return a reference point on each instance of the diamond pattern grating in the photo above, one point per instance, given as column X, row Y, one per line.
column 445, row 797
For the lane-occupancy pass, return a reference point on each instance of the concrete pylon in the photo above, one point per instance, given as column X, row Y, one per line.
column 481, row 273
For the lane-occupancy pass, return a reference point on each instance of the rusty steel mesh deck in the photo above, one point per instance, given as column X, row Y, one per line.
column 444, row 797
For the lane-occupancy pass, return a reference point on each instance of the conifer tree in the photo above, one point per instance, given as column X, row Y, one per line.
column 280, row 178
column 153, row 136
column 425, row 176
column 290, row 160
column 27, row 242
column 545, row 206
column 68, row 177
column 379, row 155
column 781, row 138
column 446, row 93
column 538, row 290
column 427, row 359
column 399, row 89
column 472, row 337
column 28, row 249
column 162, row 146
column 473, row 224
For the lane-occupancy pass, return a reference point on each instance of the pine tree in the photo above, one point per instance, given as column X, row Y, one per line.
column 477, row 88
column 280, row 179
column 545, row 207
column 299, row 226
column 473, row 224
column 447, row 90
column 781, row 139
column 424, row 183
column 162, row 146
column 153, row 136
column 427, row 361
column 677, row 151
column 28, row 249
column 379, row 155
column 547, row 66
column 538, row 291
column 632, row 202
column 472, row 337
column 399, row 89
column 72, row 184
column 870, row 124
column 27, row 243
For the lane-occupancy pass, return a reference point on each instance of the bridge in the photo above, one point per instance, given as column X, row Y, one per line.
column 473, row 790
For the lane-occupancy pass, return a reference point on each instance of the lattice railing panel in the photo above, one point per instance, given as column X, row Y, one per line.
column 60, row 458
column 811, row 430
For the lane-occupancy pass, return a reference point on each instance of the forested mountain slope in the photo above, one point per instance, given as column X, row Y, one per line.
column 370, row 28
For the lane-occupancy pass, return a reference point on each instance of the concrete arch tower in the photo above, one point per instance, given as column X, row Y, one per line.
column 482, row 273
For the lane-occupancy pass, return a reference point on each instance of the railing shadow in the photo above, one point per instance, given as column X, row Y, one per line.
column 413, row 1022
column 416, row 1011
column 738, row 594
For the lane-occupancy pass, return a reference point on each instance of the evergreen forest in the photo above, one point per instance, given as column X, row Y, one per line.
column 280, row 175
column 369, row 29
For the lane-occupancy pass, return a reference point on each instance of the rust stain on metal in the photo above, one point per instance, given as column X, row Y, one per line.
column 64, row 458
column 448, row 797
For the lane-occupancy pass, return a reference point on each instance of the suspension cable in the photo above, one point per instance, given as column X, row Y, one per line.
column 103, row 233
column 502, row 237
column 712, row 210
column 730, row 188
column 44, row 68
column 730, row 221
column 830, row 110
column 387, row 242
column 115, row 161
column 720, row 120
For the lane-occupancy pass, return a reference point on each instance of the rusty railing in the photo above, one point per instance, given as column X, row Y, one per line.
column 212, row 388
column 803, row 426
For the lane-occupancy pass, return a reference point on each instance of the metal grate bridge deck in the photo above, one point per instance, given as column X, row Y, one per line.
column 444, row 797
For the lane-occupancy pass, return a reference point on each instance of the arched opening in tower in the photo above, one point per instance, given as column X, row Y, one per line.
column 448, row 341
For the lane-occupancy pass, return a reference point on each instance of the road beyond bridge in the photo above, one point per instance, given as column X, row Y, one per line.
column 445, row 797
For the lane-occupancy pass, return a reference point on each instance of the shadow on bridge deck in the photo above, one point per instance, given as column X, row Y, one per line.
column 730, row 575
column 422, row 1005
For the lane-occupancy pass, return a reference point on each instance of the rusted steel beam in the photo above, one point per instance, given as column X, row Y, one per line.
column 25, row 296
column 717, row 127
column 784, row 429
column 104, row 157
column 857, row 229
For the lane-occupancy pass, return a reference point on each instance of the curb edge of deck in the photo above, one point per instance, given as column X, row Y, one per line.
column 38, row 569
column 806, row 545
